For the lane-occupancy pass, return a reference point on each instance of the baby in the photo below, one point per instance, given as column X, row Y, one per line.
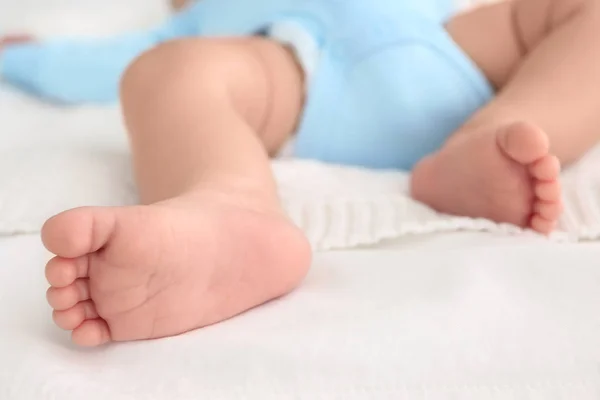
column 483, row 107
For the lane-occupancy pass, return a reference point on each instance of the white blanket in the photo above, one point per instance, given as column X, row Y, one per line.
column 475, row 318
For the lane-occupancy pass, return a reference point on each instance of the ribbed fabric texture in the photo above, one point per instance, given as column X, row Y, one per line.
column 337, row 207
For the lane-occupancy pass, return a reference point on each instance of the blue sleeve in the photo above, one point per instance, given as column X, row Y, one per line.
column 72, row 71
column 76, row 71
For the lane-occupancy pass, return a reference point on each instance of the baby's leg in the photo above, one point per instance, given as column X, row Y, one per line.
column 211, row 241
column 543, row 56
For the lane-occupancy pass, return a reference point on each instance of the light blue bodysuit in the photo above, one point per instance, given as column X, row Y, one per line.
column 387, row 84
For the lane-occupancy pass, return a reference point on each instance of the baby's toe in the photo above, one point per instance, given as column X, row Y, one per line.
column 550, row 211
column 523, row 142
column 74, row 316
column 62, row 272
column 91, row 333
column 546, row 169
column 548, row 191
column 66, row 297
column 77, row 232
column 542, row 225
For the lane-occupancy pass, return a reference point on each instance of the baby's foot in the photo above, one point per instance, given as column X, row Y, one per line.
column 147, row 272
column 506, row 176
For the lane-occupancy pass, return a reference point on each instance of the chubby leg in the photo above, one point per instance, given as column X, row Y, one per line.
column 211, row 240
column 503, row 164
column 544, row 57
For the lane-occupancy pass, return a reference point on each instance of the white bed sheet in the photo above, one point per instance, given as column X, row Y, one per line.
column 459, row 317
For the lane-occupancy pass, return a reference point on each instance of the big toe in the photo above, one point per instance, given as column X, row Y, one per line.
column 523, row 142
column 77, row 232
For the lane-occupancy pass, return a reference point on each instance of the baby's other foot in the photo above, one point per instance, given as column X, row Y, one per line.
column 147, row 272
column 506, row 175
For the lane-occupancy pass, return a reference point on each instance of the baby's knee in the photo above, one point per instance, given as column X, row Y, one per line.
column 173, row 68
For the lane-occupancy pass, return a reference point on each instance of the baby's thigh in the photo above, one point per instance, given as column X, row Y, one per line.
column 513, row 28
column 257, row 78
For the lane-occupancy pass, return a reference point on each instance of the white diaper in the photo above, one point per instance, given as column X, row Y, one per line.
column 293, row 35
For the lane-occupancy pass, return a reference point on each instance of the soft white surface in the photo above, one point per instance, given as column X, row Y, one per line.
column 462, row 316
column 470, row 318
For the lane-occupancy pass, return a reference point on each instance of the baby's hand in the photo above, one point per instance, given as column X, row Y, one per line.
column 14, row 39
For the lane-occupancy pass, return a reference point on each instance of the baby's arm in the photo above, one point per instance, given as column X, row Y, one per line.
column 84, row 70
column 76, row 71
column 178, row 4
